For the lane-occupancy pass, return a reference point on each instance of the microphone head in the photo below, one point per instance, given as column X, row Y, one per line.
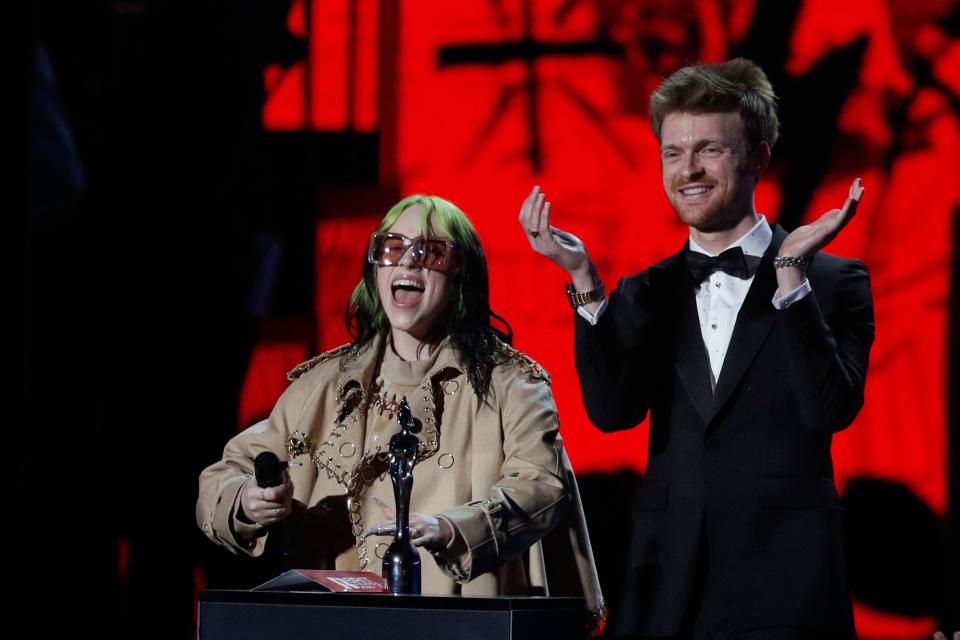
column 268, row 470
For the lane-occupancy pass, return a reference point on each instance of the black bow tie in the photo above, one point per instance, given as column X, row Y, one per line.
column 732, row 261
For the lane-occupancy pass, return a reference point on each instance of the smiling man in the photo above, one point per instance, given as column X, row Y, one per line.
column 748, row 349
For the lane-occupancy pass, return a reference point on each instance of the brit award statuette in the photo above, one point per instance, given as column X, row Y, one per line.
column 401, row 562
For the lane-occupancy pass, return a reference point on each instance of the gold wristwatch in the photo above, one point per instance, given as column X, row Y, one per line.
column 580, row 298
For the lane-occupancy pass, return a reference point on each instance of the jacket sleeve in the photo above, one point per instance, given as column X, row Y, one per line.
column 613, row 357
column 531, row 496
column 827, row 356
column 218, row 505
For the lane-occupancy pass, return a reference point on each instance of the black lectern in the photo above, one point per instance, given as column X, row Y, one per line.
column 254, row 615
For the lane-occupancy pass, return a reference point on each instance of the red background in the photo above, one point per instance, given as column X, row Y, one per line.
column 573, row 120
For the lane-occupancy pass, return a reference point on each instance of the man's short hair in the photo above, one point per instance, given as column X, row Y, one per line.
column 735, row 85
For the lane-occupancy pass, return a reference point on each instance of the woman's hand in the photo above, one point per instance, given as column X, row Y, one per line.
column 266, row 506
column 426, row 531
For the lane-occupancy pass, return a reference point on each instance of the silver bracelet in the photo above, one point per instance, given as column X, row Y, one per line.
column 791, row 261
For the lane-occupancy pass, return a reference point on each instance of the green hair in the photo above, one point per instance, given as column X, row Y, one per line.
column 468, row 313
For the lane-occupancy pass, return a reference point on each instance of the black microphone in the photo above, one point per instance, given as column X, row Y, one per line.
column 269, row 473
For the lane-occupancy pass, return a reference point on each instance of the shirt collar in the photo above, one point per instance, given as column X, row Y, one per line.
column 753, row 243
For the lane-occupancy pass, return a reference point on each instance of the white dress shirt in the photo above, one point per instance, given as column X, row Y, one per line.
column 721, row 295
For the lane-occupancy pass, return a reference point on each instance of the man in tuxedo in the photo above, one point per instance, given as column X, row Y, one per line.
column 749, row 349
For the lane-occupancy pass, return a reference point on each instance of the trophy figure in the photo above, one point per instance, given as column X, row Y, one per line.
column 401, row 563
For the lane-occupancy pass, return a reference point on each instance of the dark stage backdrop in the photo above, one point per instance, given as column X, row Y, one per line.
column 244, row 151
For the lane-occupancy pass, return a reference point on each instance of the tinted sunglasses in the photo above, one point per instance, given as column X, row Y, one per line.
column 387, row 249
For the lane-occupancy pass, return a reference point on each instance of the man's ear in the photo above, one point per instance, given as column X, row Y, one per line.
column 759, row 159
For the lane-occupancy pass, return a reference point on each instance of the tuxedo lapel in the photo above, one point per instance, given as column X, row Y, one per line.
column 674, row 286
column 754, row 322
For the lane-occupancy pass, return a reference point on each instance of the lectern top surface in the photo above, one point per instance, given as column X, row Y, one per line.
column 320, row 599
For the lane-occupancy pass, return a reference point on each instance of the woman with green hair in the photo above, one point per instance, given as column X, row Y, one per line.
column 491, row 478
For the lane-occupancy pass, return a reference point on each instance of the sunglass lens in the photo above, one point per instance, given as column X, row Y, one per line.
column 436, row 254
column 386, row 250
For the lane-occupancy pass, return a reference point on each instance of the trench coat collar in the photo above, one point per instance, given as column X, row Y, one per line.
column 359, row 368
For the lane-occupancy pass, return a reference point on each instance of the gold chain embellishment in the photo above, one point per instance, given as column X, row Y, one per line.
column 366, row 471
column 530, row 366
column 379, row 401
column 356, row 529
column 324, row 458
column 372, row 463
column 303, row 367
column 430, row 442
column 299, row 443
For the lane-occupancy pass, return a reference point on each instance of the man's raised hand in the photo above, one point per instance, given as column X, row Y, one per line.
column 562, row 248
column 810, row 238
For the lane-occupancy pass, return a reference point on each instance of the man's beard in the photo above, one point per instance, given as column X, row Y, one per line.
column 717, row 214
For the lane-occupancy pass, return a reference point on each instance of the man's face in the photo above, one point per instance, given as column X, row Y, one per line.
column 708, row 173
column 415, row 299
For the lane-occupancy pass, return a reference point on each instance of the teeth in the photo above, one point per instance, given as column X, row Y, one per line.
column 402, row 282
column 692, row 191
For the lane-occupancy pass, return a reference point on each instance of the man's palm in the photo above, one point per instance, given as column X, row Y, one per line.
column 810, row 238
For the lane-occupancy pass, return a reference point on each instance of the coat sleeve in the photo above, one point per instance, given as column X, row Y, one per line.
column 530, row 498
column 827, row 356
column 218, row 504
column 614, row 357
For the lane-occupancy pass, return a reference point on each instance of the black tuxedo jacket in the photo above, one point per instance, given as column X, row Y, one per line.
column 747, row 465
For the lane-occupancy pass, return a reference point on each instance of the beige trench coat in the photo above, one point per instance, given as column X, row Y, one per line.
column 500, row 464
